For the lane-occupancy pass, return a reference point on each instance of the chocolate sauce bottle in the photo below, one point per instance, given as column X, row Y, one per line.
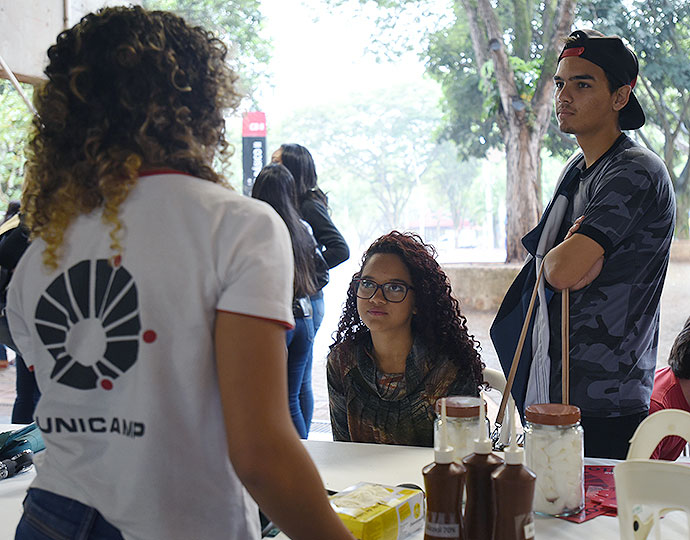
column 513, row 490
column 480, row 465
column 444, row 481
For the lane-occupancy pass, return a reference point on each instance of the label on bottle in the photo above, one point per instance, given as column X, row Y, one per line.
column 442, row 530
column 524, row 526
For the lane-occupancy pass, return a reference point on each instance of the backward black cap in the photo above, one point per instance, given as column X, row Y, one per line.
column 619, row 63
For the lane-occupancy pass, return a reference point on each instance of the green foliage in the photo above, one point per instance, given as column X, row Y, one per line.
column 375, row 152
column 450, row 61
column 471, row 98
column 659, row 32
column 381, row 140
column 15, row 122
column 238, row 23
column 402, row 26
column 453, row 184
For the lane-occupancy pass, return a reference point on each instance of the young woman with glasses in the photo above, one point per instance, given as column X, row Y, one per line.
column 401, row 344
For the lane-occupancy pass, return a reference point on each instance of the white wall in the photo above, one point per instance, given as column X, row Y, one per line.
column 29, row 27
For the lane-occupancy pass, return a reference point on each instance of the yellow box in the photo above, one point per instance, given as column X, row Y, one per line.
column 376, row 512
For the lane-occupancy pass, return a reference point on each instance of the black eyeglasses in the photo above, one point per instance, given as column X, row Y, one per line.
column 392, row 291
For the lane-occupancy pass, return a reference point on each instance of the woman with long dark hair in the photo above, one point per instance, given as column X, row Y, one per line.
column 14, row 239
column 153, row 300
column 313, row 207
column 276, row 186
column 402, row 343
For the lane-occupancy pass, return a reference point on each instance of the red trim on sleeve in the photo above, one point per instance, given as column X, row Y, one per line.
column 285, row 324
column 153, row 172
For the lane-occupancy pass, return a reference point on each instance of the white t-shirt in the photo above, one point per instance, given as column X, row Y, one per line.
column 123, row 354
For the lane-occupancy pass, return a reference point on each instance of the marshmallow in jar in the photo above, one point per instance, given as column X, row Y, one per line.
column 554, row 450
column 462, row 415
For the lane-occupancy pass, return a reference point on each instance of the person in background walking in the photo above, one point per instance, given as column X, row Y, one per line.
column 313, row 206
column 14, row 239
column 276, row 186
column 12, row 210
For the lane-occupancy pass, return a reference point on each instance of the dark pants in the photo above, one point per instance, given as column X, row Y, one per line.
column 48, row 516
column 27, row 394
column 610, row 437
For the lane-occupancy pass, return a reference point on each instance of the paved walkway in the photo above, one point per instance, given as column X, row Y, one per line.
column 675, row 309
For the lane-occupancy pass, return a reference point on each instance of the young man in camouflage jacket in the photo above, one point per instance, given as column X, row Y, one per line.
column 617, row 232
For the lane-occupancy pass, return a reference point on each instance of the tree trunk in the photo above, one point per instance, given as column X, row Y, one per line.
column 522, row 124
column 522, row 180
column 682, row 209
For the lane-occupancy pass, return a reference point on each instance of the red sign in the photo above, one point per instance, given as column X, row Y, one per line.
column 254, row 124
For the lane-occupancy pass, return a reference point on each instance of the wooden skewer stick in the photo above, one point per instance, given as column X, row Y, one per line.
column 518, row 350
column 565, row 346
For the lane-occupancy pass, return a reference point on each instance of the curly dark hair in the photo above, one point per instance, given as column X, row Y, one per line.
column 438, row 322
column 126, row 87
column 679, row 357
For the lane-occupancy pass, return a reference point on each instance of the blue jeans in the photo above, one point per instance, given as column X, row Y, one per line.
column 318, row 306
column 48, row 516
column 27, row 394
column 300, row 341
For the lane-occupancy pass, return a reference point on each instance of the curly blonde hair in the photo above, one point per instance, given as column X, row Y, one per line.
column 126, row 87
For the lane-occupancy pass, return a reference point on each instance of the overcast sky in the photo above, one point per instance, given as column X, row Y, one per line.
column 320, row 56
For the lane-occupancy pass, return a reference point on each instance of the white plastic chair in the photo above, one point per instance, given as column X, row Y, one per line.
column 494, row 378
column 646, row 490
column 654, row 428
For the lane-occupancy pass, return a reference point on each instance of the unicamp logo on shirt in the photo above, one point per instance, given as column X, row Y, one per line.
column 88, row 319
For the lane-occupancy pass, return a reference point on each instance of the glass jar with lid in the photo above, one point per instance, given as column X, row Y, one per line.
column 462, row 415
column 554, row 450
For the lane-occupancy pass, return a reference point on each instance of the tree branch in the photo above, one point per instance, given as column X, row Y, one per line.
column 479, row 41
column 505, row 77
column 682, row 182
column 680, row 117
column 547, row 15
column 541, row 102
column 645, row 140
column 523, row 29
column 657, row 105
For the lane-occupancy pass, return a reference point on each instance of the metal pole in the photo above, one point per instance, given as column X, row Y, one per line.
column 17, row 86
column 65, row 14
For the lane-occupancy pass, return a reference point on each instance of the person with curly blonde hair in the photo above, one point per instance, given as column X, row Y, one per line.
column 153, row 301
column 402, row 343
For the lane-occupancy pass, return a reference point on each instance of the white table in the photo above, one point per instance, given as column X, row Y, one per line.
column 344, row 464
